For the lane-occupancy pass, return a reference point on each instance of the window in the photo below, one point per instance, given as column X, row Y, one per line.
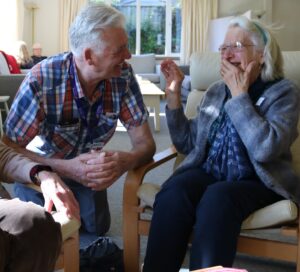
column 153, row 26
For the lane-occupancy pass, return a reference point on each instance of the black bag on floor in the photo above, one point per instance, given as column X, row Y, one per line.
column 102, row 255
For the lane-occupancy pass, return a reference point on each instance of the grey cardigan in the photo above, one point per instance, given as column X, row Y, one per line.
column 267, row 130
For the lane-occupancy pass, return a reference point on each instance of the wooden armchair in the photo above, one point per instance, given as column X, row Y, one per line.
column 258, row 236
column 250, row 242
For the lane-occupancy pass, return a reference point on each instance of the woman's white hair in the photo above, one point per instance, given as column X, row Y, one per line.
column 263, row 40
column 86, row 29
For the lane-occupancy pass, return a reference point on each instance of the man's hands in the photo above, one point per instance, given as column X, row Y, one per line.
column 237, row 80
column 57, row 193
column 98, row 170
column 112, row 165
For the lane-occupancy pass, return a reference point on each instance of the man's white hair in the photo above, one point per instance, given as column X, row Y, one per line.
column 86, row 29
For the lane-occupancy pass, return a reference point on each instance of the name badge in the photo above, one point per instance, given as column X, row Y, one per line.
column 260, row 101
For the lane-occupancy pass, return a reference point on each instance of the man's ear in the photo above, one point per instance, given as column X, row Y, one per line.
column 88, row 55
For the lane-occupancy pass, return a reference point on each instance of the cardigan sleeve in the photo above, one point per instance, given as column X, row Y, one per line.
column 268, row 129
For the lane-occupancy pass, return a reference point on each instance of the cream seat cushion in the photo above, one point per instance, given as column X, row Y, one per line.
column 68, row 225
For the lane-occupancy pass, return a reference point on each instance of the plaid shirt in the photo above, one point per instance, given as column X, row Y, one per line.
column 45, row 106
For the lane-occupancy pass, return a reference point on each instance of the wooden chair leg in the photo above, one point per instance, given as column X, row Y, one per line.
column 69, row 259
column 131, row 240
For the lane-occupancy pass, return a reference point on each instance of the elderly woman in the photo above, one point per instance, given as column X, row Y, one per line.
column 238, row 153
column 22, row 55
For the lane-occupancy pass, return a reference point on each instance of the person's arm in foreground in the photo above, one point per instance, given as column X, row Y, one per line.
column 14, row 166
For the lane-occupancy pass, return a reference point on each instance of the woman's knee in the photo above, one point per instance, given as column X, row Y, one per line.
column 220, row 199
column 228, row 199
column 186, row 186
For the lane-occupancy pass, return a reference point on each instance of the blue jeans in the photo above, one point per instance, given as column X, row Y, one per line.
column 94, row 209
column 214, row 210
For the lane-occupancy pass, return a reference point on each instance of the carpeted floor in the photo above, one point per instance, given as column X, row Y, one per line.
column 115, row 193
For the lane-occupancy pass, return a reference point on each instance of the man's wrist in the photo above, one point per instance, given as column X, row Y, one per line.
column 36, row 170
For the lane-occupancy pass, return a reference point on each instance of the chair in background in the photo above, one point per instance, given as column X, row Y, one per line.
column 270, row 232
column 145, row 66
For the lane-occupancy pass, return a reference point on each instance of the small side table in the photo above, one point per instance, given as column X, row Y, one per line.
column 3, row 99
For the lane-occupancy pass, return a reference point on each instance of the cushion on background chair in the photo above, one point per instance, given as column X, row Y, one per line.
column 145, row 66
column 11, row 63
column 143, row 63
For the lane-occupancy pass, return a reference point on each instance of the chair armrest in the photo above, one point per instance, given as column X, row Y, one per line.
column 69, row 226
column 135, row 177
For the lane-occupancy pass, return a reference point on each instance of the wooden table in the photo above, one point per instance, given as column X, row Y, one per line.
column 151, row 95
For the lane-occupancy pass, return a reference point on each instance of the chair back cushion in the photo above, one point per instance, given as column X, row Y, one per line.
column 143, row 64
column 204, row 69
column 12, row 64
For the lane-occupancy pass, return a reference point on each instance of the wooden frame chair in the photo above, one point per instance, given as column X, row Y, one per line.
column 68, row 259
column 135, row 225
column 204, row 70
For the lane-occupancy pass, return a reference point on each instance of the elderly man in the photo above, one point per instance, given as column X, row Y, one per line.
column 72, row 103
column 37, row 53
column 24, row 225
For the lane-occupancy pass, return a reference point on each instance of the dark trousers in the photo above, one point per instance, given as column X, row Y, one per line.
column 30, row 240
column 194, row 202
column 94, row 209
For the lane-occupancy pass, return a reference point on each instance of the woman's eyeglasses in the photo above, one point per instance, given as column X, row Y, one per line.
column 235, row 47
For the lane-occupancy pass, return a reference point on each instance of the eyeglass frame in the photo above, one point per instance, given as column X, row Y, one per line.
column 235, row 47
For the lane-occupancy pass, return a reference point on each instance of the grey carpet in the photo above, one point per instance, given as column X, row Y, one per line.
column 120, row 141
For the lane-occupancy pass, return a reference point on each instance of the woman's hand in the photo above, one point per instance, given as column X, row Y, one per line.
column 174, row 78
column 237, row 80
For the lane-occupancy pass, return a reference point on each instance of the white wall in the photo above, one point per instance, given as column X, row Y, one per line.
column 286, row 13
column 278, row 13
column 236, row 7
column 46, row 25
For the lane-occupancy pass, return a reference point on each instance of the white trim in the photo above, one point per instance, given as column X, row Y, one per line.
column 168, row 30
column 138, row 27
column 168, row 40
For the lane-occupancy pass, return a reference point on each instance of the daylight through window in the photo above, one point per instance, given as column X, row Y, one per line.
column 153, row 26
